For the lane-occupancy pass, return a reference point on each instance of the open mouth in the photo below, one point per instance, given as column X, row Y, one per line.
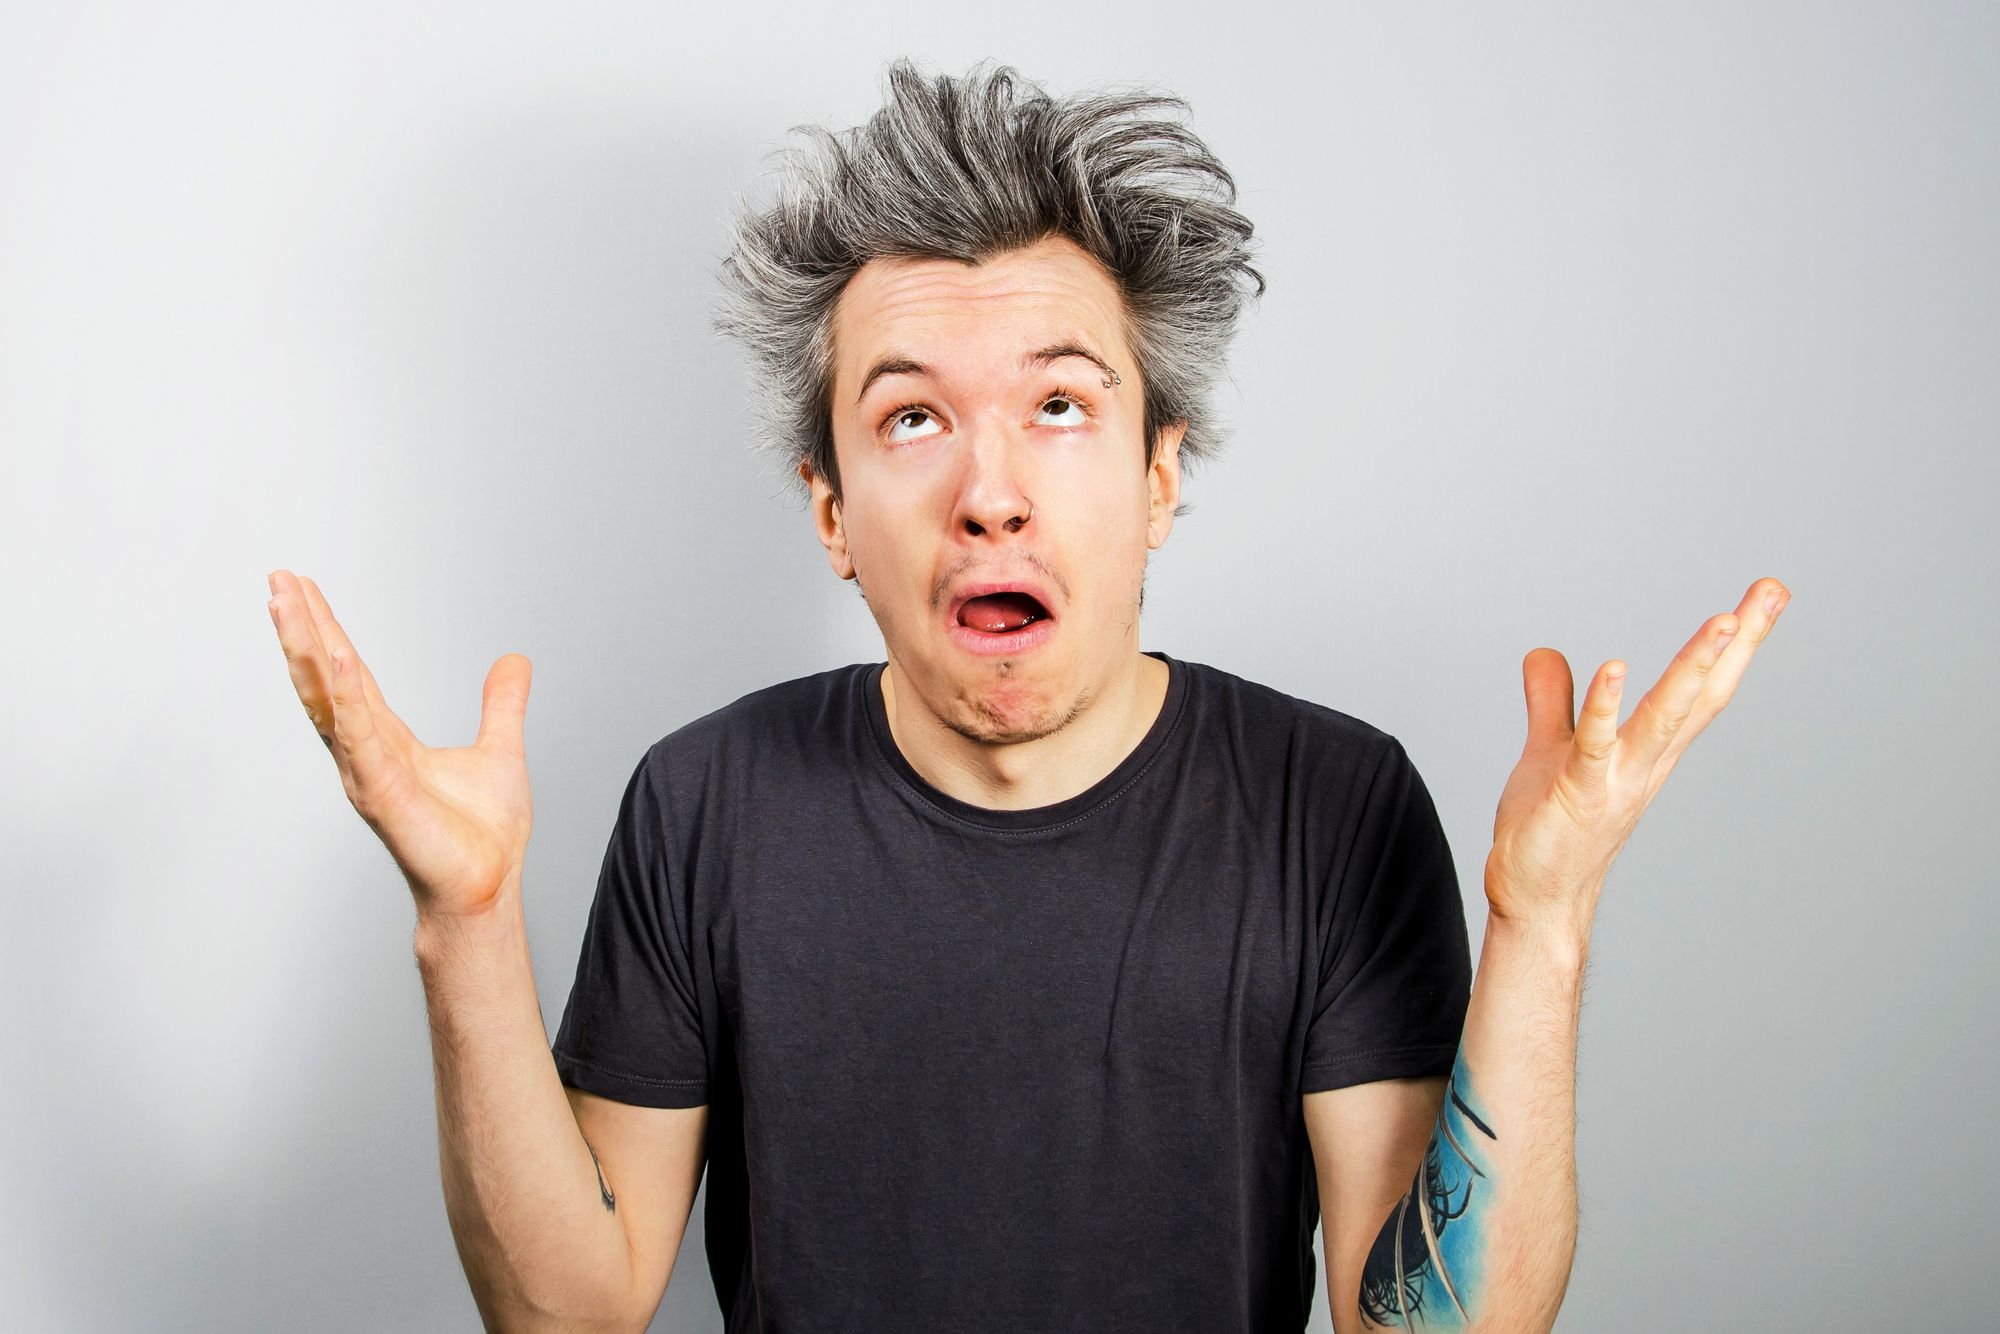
column 1001, row 613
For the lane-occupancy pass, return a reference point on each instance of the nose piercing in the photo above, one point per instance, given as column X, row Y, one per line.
column 1020, row 521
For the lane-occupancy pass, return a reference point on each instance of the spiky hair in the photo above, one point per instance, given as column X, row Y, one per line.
column 968, row 167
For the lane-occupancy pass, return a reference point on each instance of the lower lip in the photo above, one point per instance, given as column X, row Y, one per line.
column 1030, row 636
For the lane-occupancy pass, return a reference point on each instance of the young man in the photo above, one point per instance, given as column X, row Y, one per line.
column 1025, row 980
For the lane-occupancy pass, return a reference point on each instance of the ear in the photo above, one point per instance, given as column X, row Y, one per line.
column 826, row 522
column 1163, row 486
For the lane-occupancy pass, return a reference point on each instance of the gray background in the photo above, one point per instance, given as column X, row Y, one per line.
column 1580, row 320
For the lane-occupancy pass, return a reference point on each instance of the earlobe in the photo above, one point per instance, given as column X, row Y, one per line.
column 827, row 524
column 1163, row 485
column 836, row 546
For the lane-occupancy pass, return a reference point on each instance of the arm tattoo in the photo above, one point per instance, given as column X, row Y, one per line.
column 610, row 1201
column 1415, row 1273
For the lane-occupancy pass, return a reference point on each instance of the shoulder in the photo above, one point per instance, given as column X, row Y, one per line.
column 800, row 721
column 1269, row 720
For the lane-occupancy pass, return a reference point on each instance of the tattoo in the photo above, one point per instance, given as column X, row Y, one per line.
column 1413, row 1260
column 610, row 1201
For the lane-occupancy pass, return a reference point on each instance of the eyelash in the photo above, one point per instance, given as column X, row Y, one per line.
column 1069, row 396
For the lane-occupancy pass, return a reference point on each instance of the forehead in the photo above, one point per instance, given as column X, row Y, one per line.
column 913, row 305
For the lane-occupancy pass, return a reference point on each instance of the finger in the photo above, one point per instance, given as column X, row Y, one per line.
column 1551, row 695
column 327, row 688
column 503, row 704
column 1597, row 729
column 356, row 739
column 334, row 637
column 305, row 656
column 1665, row 710
column 1759, row 610
column 1762, row 603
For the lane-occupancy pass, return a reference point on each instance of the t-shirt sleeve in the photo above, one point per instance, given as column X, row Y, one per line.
column 1395, row 962
column 632, row 1029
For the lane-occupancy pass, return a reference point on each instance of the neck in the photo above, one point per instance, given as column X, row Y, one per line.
column 1024, row 774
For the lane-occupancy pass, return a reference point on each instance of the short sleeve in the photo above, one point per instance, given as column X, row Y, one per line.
column 1395, row 962
column 632, row 1029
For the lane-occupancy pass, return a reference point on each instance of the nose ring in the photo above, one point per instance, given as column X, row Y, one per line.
column 1020, row 521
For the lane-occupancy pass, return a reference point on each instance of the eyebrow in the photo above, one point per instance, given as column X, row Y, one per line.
column 895, row 363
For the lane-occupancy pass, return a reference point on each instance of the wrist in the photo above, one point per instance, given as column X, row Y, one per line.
column 439, row 934
column 1560, row 944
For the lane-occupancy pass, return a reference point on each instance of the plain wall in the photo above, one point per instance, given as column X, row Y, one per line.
column 1580, row 320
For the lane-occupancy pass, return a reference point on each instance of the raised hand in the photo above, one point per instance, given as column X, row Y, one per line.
column 455, row 819
column 1578, row 791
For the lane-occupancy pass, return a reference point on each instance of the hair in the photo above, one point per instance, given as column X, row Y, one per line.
column 970, row 167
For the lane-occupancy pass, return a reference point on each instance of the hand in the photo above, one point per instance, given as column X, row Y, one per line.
column 456, row 820
column 1577, row 793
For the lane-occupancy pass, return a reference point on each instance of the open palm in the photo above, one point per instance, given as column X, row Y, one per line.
column 1579, row 789
column 456, row 819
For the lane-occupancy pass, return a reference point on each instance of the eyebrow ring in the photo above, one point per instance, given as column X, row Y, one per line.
column 1113, row 380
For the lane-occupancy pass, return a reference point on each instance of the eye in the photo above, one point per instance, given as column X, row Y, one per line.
column 906, row 415
column 903, row 424
column 1072, row 411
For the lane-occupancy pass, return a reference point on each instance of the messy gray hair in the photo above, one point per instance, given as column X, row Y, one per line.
column 966, row 168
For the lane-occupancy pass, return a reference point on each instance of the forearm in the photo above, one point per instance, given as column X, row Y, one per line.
column 539, row 1245
column 1484, row 1240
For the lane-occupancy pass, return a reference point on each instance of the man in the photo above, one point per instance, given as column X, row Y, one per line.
column 1026, row 980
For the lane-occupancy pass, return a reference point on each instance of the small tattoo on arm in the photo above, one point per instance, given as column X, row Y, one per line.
column 610, row 1201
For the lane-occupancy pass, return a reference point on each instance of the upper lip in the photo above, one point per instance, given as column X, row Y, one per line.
column 967, row 592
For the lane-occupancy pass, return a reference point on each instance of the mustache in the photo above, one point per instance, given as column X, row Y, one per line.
column 956, row 572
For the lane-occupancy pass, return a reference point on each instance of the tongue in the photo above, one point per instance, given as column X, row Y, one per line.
column 997, row 613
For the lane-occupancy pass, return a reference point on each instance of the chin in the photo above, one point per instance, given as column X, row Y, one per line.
column 997, row 711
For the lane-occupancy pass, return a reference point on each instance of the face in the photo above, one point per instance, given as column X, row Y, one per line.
column 979, row 448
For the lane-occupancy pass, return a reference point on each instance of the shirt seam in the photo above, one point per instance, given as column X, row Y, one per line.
column 1375, row 1052
column 636, row 1079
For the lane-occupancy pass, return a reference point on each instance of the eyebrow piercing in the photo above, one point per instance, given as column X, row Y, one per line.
column 1113, row 380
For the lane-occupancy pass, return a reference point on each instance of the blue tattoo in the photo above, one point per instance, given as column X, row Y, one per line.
column 1429, row 1258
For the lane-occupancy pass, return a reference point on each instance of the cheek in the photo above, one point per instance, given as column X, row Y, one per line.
column 1120, row 512
column 889, row 552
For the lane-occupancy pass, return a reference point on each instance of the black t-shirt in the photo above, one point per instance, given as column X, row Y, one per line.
column 1016, row 1070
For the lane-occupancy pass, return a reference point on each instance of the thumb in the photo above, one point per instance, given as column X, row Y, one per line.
column 504, row 703
column 1551, row 697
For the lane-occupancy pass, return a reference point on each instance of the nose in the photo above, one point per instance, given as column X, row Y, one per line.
column 992, row 499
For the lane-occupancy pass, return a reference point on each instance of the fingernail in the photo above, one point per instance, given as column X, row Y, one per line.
column 272, row 607
column 1722, row 640
column 1771, row 602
